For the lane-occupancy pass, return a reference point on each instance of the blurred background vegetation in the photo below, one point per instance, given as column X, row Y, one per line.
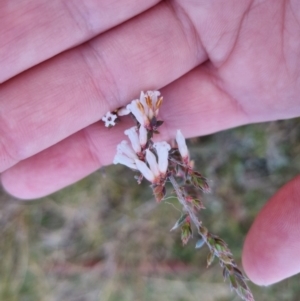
column 105, row 238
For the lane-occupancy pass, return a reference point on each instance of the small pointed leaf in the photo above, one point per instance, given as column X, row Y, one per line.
column 203, row 231
column 159, row 123
column 186, row 232
column 210, row 258
column 225, row 259
column 180, row 221
column 233, row 282
column 159, row 192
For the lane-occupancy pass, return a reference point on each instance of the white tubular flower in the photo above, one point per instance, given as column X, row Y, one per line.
column 125, row 149
column 151, row 103
column 145, row 171
column 151, row 159
column 134, row 139
column 123, row 159
column 137, row 109
column 155, row 101
column 182, row 145
column 143, row 136
column 125, row 155
column 162, row 149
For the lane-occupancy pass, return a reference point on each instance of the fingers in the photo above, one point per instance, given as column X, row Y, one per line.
column 34, row 31
column 75, row 89
column 272, row 247
column 193, row 104
column 62, row 164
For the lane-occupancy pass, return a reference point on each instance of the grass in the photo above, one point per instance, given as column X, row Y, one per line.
column 106, row 239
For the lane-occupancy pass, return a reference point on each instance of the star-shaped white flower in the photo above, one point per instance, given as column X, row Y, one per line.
column 109, row 119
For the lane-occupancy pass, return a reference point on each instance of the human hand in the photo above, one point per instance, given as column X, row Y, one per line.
column 218, row 64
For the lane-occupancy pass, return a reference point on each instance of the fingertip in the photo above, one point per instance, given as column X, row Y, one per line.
column 50, row 170
column 271, row 249
column 20, row 186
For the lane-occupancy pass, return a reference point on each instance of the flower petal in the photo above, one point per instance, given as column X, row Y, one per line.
column 143, row 135
column 109, row 119
column 134, row 138
column 124, row 148
column 122, row 159
column 162, row 149
column 144, row 169
column 151, row 159
column 137, row 109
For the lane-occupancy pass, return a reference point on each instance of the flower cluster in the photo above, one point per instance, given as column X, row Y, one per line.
column 159, row 163
column 145, row 109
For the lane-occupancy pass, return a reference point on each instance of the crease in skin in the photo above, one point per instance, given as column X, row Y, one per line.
column 218, row 38
column 188, row 28
column 92, row 147
column 112, row 97
column 8, row 148
column 6, row 159
column 220, row 85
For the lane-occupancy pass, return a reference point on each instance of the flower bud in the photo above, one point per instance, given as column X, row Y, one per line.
column 109, row 119
column 143, row 136
column 182, row 145
column 151, row 159
column 162, row 149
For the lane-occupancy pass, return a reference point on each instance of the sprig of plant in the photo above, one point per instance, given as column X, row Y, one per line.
column 159, row 163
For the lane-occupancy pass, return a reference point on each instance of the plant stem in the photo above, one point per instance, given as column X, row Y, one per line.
column 184, row 203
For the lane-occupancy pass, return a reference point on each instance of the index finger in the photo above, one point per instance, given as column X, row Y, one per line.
column 34, row 31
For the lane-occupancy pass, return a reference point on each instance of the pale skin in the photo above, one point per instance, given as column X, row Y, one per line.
column 218, row 64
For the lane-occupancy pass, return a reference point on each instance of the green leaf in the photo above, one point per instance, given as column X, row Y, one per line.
column 233, row 282
column 225, row 273
column 225, row 259
column 180, row 221
column 221, row 245
column 199, row 181
column 197, row 204
column 211, row 241
column 210, row 258
column 203, row 231
column 186, row 232
column 242, row 283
